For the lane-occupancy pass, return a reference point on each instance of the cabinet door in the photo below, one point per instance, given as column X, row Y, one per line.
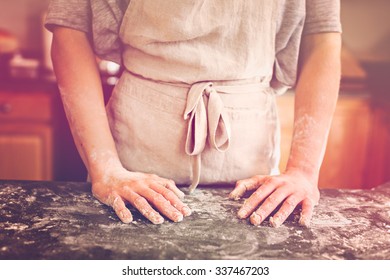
column 378, row 165
column 25, row 151
column 286, row 116
column 346, row 156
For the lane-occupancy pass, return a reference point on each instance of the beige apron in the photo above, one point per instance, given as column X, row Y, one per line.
column 203, row 132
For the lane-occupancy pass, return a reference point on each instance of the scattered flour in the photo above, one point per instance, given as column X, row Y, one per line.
column 14, row 226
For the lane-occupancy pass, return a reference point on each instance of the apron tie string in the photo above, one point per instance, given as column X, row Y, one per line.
column 204, row 123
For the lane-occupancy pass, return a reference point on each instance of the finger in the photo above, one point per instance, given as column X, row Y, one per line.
column 121, row 210
column 255, row 199
column 268, row 206
column 170, row 185
column 242, row 186
column 307, row 212
column 162, row 204
column 287, row 208
column 172, row 198
column 143, row 207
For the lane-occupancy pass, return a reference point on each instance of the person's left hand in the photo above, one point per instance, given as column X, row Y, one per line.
column 288, row 190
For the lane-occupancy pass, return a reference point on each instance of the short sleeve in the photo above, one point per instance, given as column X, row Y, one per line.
column 322, row 16
column 296, row 19
column 100, row 19
column 107, row 16
column 75, row 14
column 291, row 19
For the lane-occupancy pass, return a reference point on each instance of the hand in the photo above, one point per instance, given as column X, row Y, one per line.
column 119, row 186
column 288, row 190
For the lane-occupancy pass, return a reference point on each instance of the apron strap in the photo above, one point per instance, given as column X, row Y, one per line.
column 211, row 123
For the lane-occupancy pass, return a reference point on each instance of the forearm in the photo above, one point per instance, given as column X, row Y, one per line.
column 82, row 96
column 315, row 101
column 81, row 92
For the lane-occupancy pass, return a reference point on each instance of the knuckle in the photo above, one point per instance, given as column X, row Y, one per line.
column 140, row 201
column 258, row 177
column 166, row 193
column 268, row 179
column 278, row 182
column 282, row 183
column 159, row 198
column 127, row 188
column 260, row 212
column 272, row 199
column 171, row 196
column 116, row 203
column 136, row 184
column 282, row 215
column 267, row 206
column 291, row 202
column 257, row 195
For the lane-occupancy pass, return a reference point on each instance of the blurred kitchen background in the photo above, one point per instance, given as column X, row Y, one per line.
column 36, row 144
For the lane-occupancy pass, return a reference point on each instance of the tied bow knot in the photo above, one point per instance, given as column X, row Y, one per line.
column 205, row 123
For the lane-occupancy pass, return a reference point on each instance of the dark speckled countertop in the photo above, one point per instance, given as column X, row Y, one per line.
column 50, row 220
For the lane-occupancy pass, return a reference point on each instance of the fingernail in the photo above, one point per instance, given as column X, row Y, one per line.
column 242, row 213
column 255, row 219
column 186, row 211
column 124, row 217
column 275, row 222
column 127, row 220
column 157, row 219
column 304, row 222
column 234, row 196
column 180, row 194
column 178, row 218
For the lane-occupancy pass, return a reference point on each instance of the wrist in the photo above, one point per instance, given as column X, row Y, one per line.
column 103, row 165
column 311, row 174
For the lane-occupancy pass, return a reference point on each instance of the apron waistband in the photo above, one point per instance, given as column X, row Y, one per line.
column 206, row 113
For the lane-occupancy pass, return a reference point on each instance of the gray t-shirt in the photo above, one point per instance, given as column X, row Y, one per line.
column 101, row 20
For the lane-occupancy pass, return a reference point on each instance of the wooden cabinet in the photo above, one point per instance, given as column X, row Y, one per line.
column 378, row 163
column 286, row 116
column 347, row 149
column 358, row 152
column 26, row 136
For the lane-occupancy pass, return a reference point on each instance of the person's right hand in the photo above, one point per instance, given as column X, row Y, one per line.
column 76, row 70
column 142, row 191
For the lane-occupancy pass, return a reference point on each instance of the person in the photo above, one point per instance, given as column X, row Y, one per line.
column 196, row 101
